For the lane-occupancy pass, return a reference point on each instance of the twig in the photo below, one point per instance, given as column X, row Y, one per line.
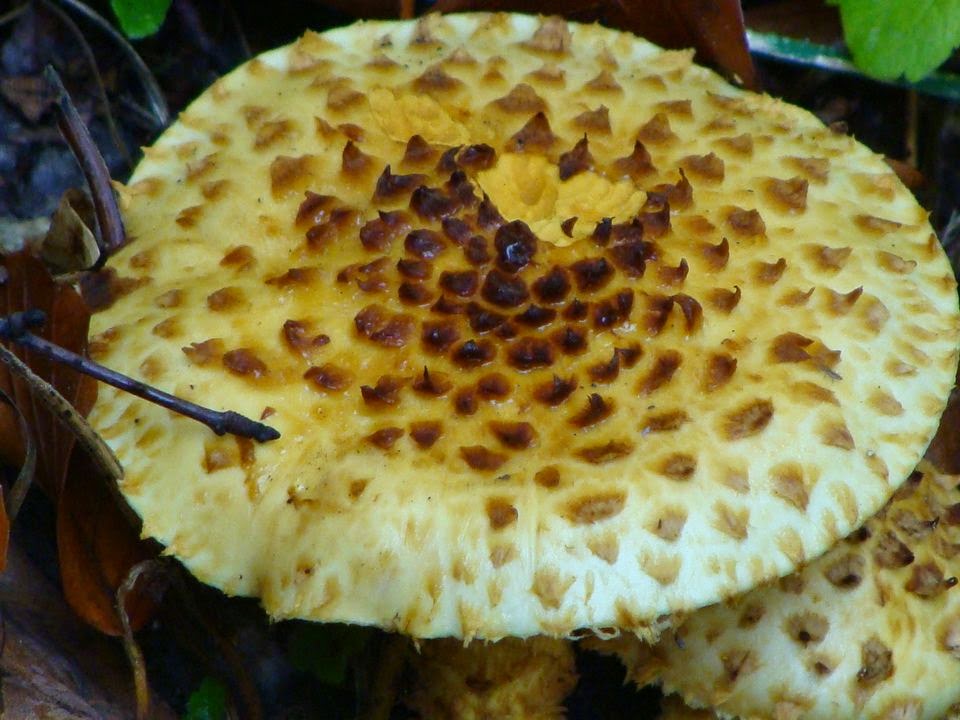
column 141, row 572
column 111, row 235
column 98, row 81
column 16, row 328
column 12, row 15
column 158, row 103
column 231, row 13
column 61, row 408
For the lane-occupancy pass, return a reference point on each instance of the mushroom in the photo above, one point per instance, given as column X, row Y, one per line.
column 869, row 630
column 534, row 374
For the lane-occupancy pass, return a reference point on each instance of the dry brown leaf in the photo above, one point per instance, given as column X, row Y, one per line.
column 26, row 283
column 52, row 665
column 98, row 543
column 69, row 244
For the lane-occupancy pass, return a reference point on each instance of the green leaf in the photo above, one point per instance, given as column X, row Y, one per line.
column 140, row 18
column 207, row 702
column 325, row 650
column 890, row 39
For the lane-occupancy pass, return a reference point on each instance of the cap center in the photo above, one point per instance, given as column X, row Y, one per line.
column 528, row 187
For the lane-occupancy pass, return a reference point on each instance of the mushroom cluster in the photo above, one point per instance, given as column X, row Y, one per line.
column 562, row 332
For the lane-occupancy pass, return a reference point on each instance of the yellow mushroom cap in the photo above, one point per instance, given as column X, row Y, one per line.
column 869, row 630
column 560, row 330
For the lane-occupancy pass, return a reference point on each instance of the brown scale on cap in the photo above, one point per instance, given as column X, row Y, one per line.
column 432, row 203
column 673, row 276
column 605, row 453
column 739, row 144
column 245, row 362
column 678, row 466
column 481, row 458
column 386, row 393
column 488, row 217
column 206, row 352
column 536, row 316
column 436, row 80
column 717, row 255
column 424, row 244
column 418, row 152
column 385, row 438
column 302, row 276
column 552, row 287
column 830, row 259
column 555, row 391
column 516, row 246
column 790, row 194
column 461, row 283
column 299, row 338
column 576, row 161
column 769, row 273
column 391, row 187
column 476, row 251
column 240, row 257
column 591, row 274
column 576, row 310
column 535, row 136
column 433, row 384
column 724, row 300
column 656, row 130
column 605, row 372
column 384, row 328
column 415, row 294
column 483, row 320
column 746, row 223
column 522, row 99
column 596, row 411
column 355, row 162
column 842, row 303
column 226, row 299
column 570, row 340
column 709, row 167
column 320, row 236
column 477, row 157
column 514, row 435
column 594, row 121
column 614, row 310
column 528, row 353
column 636, row 165
column 315, row 208
column 425, row 433
column 474, row 353
column 504, row 290
column 679, row 195
column 665, row 365
column 465, row 401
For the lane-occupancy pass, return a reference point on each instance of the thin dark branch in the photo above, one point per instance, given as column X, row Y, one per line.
column 16, row 328
column 231, row 13
column 97, row 79
column 12, row 15
column 111, row 235
column 158, row 103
